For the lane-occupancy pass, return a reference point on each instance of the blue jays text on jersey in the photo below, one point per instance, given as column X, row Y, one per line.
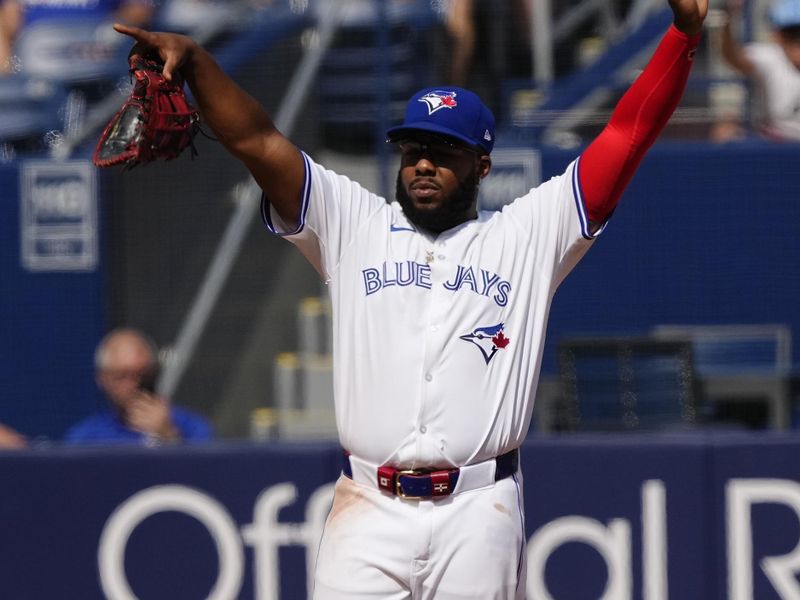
column 411, row 273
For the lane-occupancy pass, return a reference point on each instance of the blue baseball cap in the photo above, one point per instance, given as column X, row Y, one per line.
column 449, row 111
column 785, row 13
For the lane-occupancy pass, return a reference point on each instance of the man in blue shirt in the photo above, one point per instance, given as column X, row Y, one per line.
column 126, row 363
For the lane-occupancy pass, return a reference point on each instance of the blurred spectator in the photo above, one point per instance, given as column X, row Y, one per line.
column 126, row 364
column 503, row 28
column 16, row 14
column 773, row 67
column 11, row 439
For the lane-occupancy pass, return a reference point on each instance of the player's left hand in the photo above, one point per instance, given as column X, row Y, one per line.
column 689, row 15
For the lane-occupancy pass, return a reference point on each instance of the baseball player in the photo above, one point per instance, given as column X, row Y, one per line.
column 439, row 315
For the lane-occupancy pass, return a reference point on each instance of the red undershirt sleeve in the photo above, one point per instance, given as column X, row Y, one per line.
column 608, row 164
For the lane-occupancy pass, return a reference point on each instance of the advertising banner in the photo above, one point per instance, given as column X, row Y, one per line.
column 213, row 522
column 682, row 517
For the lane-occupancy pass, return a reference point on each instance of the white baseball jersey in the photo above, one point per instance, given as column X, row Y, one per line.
column 437, row 339
column 780, row 87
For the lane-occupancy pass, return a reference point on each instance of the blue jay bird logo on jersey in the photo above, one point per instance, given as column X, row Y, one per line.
column 438, row 100
column 488, row 340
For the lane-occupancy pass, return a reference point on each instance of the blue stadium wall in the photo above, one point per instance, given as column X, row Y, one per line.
column 52, row 293
column 703, row 235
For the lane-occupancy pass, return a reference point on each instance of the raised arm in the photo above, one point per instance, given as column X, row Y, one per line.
column 610, row 161
column 235, row 117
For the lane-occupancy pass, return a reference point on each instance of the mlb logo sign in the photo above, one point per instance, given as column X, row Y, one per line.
column 58, row 216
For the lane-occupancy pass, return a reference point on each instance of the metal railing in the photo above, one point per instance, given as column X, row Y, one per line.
column 547, row 32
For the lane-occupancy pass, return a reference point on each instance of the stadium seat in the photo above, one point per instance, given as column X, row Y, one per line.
column 303, row 394
column 28, row 109
column 72, row 51
column 190, row 16
column 745, row 364
column 625, row 384
column 352, row 93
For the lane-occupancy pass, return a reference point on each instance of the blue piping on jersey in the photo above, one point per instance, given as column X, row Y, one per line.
column 306, row 194
column 577, row 193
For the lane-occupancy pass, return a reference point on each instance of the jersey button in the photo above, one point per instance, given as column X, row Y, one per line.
column 423, row 429
column 428, row 377
column 441, row 257
column 434, row 328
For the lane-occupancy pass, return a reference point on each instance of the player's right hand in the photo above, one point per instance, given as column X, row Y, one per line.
column 173, row 48
column 150, row 414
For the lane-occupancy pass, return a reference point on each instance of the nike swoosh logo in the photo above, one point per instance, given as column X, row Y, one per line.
column 395, row 228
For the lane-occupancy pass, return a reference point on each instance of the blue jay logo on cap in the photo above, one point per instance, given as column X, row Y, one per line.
column 438, row 100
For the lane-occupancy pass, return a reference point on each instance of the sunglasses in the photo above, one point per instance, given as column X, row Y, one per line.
column 439, row 149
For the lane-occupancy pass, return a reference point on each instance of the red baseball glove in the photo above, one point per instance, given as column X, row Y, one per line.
column 156, row 121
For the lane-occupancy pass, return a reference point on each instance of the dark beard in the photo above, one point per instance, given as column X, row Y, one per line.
column 459, row 207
